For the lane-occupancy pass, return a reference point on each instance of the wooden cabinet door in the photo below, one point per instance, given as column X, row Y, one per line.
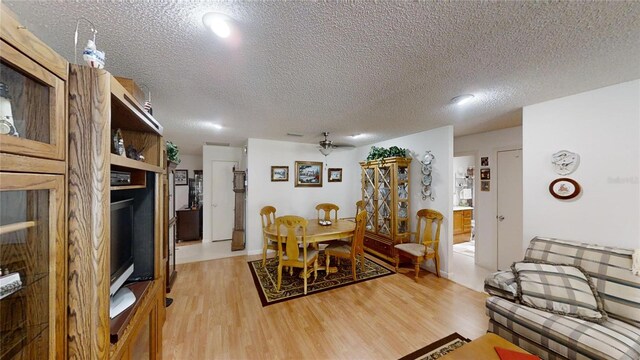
column 33, row 253
column 32, row 107
column 458, row 222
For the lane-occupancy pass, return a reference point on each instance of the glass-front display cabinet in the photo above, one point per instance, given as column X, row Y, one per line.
column 32, row 107
column 385, row 192
column 32, row 297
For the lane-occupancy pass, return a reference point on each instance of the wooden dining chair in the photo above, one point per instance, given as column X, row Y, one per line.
column 268, row 217
column 344, row 250
column 359, row 207
column 289, row 253
column 327, row 208
column 426, row 240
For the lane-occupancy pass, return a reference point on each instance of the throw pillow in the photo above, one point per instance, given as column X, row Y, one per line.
column 502, row 284
column 560, row 289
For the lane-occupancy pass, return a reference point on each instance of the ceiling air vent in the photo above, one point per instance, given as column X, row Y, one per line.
column 294, row 135
column 216, row 143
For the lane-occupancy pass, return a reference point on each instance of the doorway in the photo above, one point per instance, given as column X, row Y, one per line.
column 222, row 200
column 509, row 210
column 463, row 205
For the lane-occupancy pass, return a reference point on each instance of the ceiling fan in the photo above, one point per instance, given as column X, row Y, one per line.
column 326, row 145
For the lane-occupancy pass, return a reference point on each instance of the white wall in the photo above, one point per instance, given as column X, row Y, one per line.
column 191, row 163
column 486, row 202
column 603, row 127
column 290, row 200
column 287, row 199
column 209, row 154
column 440, row 142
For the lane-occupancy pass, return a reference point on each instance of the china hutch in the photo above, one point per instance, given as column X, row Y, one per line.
column 385, row 192
column 56, row 124
column 33, row 250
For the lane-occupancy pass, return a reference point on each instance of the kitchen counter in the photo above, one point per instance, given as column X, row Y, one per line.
column 460, row 208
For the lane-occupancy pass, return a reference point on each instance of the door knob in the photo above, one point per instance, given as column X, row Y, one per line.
column 500, row 217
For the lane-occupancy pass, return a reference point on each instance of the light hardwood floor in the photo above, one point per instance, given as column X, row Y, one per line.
column 217, row 314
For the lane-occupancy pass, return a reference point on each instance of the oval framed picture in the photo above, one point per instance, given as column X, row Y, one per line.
column 564, row 188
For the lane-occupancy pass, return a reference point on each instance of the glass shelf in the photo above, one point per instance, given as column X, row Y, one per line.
column 26, row 282
column 14, row 340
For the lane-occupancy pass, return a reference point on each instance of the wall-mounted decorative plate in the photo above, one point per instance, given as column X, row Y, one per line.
column 564, row 188
column 565, row 162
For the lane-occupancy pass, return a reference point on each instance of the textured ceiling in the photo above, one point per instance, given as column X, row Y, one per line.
column 385, row 69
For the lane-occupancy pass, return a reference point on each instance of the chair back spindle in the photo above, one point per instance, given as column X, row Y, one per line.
column 327, row 208
column 357, row 244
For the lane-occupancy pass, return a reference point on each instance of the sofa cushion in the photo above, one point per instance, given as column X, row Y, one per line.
column 567, row 336
column 561, row 289
column 609, row 268
column 502, row 284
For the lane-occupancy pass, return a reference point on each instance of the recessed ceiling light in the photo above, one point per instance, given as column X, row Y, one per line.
column 217, row 126
column 357, row 136
column 218, row 23
column 462, row 99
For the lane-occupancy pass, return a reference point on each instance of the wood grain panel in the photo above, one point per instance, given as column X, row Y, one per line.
column 148, row 143
column 21, row 38
column 39, row 98
column 54, row 249
column 146, row 305
column 12, row 162
column 133, row 164
column 125, row 107
column 89, row 217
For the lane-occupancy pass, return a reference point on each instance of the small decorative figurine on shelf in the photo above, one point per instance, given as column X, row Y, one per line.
column 133, row 153
column 117, row 143
column 93, row 57
column 147, row 102
column 6, row 116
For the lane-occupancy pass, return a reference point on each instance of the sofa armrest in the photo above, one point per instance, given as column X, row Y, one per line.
column 501, row 284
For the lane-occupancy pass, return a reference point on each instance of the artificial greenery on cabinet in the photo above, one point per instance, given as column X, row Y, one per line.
column 377, row 153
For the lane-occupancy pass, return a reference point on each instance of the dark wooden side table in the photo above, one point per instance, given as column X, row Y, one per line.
column 188, row 224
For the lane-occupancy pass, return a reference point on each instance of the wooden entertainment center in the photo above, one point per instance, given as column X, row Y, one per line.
column 56, row 173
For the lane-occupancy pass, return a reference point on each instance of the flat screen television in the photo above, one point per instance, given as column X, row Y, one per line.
column 121, row 256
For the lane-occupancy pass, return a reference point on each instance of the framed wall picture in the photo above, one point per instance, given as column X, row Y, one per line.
column 181, row 177
column 279, row 173
column 485, row 185
column 485, row 174
column 335, row 175
column 308, row 174
column 484, row 161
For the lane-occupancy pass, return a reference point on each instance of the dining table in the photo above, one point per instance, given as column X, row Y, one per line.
column 316, row 233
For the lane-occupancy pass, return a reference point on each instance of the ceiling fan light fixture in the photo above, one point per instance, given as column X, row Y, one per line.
column 326, row 150
column 462, row 99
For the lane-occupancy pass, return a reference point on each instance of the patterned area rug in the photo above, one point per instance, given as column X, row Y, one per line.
column 438, row 349
column 292, row 287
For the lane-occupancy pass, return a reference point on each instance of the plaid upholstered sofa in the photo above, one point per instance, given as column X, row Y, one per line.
column 553, row 336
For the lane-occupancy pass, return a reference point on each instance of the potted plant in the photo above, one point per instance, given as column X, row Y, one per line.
column 173, row 154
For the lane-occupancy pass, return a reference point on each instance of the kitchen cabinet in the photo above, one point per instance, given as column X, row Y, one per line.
column 462, row 221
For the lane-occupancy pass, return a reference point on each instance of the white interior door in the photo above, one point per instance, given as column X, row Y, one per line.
column 222, row 200
column 509, row 187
